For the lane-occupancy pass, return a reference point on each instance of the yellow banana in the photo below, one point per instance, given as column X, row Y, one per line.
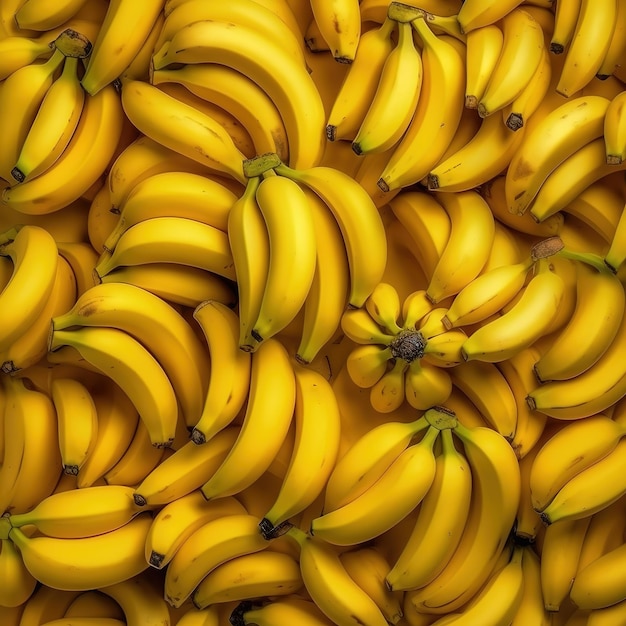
column 436, row 119
column 82, row 259
column 272, row 389
column 426, row 385
column 85, row 563
column 20, row 51
column 531, row 609
column 615, row 130
column 396, row 97
column 616, row 254
column 316, row 445
column 565, row 18
column 46, row 604
column 484, row 46
column 383, row 305
column 475, row 14
column 340, row 25
column 18, row 582
column 290, row 610
column 528, row 523
column 237, row 47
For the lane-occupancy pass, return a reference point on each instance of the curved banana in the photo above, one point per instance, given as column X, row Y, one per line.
column 171, row 240
column 82, row 163
column 211, row 146
column 85, row 563
column 330, row 586
column 520, row 56
column 174, row 194
column 259, row 574
column 384, row 307
column 357, row 90
column 484, row 46
column 123, row 32
column 404, row 484
column 185, row 470
column 531, row 609
column 436, row 119
column 237, row 47
column 77, row 422
column 272, row 391
column 615, row 130
column 215, row 542
column 292, row 255
column 487, row 154
column 82, row 258
column 340, row 26
column 157, row 326
column 595, row 22
column 565, row 18
column 550, row 142
column 367, row 459
column 180, row 284
column 129, row 364
column 289, row 610
column 316, row 445
column 393, row 105
column 475, row 14
column 46, row 604
column 239, row 95
column 229, row 383
column 326, row 300
column 359, row 220
column 18, row 582
column 426, row 385
column 20, row 51
column 495, row 497
column 439, row 527
column 175, row 522
column 467, row 249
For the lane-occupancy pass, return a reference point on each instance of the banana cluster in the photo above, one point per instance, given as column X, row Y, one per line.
column 312, row 313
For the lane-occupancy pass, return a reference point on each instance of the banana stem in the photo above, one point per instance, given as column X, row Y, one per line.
column 595, row 260
column 441, row 418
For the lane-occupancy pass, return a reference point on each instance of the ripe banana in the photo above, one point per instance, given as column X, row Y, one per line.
column 565, row 18
column 18, row 582
column 20, row 51
column 484, row 46
column 615, row 130
column 290, row 610
column 475, row 14
column 340, row 26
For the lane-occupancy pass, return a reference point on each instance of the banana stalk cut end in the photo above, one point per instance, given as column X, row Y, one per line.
column 404, row 13
column 441, row 418
column 408, row 345
column 260, row 164
column 73, row 44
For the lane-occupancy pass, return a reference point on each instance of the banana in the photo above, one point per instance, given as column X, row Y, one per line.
column 486, row 155
column 117, row 423
column 359, row 221
column 85, row 563
column 38, row 15
column 315, row 450
column 486, row 294
column 475, row 14
column 531, row 609
column 213, row 146
column 158, row 327
column 436, row 119
column 426, row 385
column 174, row 194
column 438, row 530
column 259, row 574
column 80, row 513
column 34, row 255
column 467, row 249
column 405, row 483
column 520, row 326
column 236, row 93
column 615, row 130
column 568, row 452
column 495, row 497
column 327, row 297
column 18, row 582
column 229, row 383
column 129, row 364
column 484, row 46
column 340, row 26
column 383, row 305
column 139, row 459
column 590, row 166
column 360, row 82
column 612, row 61
column 272, row 390
column 185, row 470
column 178, row 284
column 175, row 522
column 528, row 523
column 32, row 345
column 559, row 362
column 591, row 490
column 292, row 254
column 21, row 95
column 215, row 542
column 603, row 617
column 31, row 466
column 82, row 163
column 20, row 51
column 594, row 23
column 123, row 32
column 77, row 422
column 560, row 553
column 500, row 598
column 394, row 102
column 171, row 240
column 237, row 46
column 330, row 586
column 139, row 600
column 560, row 134
column 82, row 259
column 54, row 124
column 616, row 254
column 289, row 610
column 565, row 18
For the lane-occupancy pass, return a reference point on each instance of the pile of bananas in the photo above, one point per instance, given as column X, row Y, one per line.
column 312, row 313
